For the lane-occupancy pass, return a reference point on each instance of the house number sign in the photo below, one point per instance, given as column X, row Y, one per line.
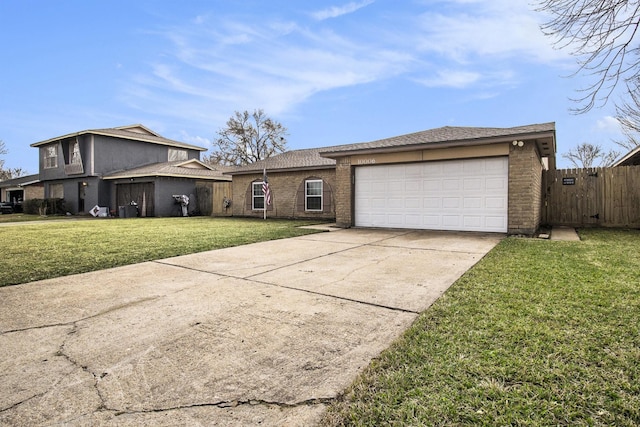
column 569, row 181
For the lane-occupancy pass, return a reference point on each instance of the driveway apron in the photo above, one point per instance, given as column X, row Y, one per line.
column 261, row 334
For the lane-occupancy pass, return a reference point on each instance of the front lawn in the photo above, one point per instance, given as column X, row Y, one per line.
column 538, row 333
column 58, row 248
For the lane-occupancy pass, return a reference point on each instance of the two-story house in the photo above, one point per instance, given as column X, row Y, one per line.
column 122, row 166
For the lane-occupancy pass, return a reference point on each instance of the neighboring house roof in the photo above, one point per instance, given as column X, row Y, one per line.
column 449, row 136
column 289, row 160
column 134, row 132
column 176, row 169
column 21, row 181
column 632, row 158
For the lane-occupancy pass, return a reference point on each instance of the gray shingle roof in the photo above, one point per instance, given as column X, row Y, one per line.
column 446, row 134
column 295, row 159
column 21, row 180
column 141, row 133
column 175, row 169
column 314, row 158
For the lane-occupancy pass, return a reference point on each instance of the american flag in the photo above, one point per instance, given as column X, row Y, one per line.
column 265, row 189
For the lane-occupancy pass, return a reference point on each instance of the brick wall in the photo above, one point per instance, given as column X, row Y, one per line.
column 344, row 192
column 287, row 194
column 35, row 191
column 525, row 189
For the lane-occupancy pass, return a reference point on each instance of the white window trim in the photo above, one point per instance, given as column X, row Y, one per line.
column 51, row 162
column 175, row 154
column 255, row 196
column 307, row 196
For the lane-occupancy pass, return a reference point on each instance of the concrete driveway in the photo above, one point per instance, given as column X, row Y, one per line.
column 266, row 334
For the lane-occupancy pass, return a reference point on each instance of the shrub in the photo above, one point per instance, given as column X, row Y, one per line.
column 51, row 206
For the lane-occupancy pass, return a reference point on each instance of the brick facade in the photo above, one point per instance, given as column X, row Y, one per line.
column 344, row 192
column 525, row 189
column 287, row 194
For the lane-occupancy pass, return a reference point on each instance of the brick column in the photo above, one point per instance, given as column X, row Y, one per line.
column 525, row 189
column 344, row 192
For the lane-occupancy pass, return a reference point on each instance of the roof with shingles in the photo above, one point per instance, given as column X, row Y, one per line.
column 308, row 158
column 133, row 132
column 314, row 158
column 175, row 169
column 446, row 134
column 21, row 180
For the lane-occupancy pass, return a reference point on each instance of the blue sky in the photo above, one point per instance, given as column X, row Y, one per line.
column 332, row 72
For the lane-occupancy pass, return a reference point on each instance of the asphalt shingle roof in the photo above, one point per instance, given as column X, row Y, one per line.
column 444, row 134
column 125, row 132
column 319, row 157
column 295, row 159
column 173, row 169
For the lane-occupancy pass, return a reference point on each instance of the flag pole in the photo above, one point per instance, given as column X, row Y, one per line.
column 264, row 192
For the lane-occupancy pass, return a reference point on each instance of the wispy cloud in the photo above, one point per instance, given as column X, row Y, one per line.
column 215, row 64
column 336, row 11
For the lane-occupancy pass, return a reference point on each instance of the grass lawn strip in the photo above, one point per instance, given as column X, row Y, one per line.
column 53, row 249
column 538, row 333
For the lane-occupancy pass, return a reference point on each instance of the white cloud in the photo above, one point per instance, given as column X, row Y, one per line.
column 336, row 11
column 608, row 124
column 451, row 78
column 482, row 29
column 195, row 139
column 215, row 65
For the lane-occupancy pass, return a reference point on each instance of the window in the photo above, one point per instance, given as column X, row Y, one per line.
column 56, row 191
column 175, row 154
column 75, row 154
column 257, row 196
column 313, row 195
column 51, row 157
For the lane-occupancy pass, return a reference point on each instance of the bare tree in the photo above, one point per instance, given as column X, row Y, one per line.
column 11, row 172
column 602, row 35
column 628, row 115
column 248, row 138
column 587, row 155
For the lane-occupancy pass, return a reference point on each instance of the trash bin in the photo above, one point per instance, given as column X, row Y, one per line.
column 128, row 211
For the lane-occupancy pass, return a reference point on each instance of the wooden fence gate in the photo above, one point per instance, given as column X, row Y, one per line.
column 212, row 196
column 607, row 197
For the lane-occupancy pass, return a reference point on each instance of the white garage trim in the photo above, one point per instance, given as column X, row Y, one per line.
column 465, row 195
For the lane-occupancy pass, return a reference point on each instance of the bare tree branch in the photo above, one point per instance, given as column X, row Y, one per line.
column 603, row 35
column 586, row 155
column 248, row 138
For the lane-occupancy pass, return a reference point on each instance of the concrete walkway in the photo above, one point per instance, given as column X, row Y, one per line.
column 567, row 234
column 262, row 334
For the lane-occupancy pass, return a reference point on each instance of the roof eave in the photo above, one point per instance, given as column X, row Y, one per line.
column 274, row 170
column 630, row 155
column 137, row 137
column 166, row 175
column 445, row 144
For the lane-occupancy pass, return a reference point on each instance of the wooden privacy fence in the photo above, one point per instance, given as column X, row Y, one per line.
column 607, row 197
column 214, row 198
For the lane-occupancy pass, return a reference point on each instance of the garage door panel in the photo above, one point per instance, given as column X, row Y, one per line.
column 451, row 184
column 468, row 194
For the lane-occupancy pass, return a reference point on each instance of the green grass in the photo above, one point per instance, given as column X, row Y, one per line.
column 538, row 333
column 58, row 248
column 21, row 217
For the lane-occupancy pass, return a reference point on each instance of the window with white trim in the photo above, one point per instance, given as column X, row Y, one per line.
column 176, row 154
column 51, row 157
column 257, row 196
column 313, row 195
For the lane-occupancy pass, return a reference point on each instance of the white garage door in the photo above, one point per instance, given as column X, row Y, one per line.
column 466, row 195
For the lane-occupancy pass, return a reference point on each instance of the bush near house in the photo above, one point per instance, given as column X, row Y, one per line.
column 51, row 206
